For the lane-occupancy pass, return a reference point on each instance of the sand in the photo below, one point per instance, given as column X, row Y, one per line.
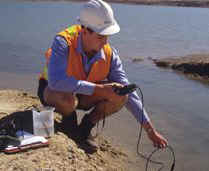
column 63, row 153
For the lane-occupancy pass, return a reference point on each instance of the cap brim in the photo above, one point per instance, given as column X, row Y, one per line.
column 110, row 30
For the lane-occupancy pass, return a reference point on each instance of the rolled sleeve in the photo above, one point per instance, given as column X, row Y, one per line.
column 85, row 87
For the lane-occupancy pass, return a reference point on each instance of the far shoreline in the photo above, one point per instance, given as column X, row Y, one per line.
column 177, row 3
column 172, row 3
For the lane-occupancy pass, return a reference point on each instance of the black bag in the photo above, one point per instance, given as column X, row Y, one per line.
column 10, row 124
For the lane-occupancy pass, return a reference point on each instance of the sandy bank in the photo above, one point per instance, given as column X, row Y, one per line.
column 194, row 66
column 62, row 153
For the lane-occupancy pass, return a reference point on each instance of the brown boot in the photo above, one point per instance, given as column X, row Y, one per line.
column 85, row 139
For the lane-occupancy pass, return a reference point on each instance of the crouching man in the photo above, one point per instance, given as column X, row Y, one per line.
column 82, row 70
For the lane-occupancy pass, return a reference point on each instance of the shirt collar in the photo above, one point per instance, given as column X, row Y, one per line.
column 79, row 49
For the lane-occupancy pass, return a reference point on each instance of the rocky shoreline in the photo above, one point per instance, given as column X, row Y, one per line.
column 193, row 66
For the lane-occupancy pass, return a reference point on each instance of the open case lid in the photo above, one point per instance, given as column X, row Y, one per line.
column 27, row 141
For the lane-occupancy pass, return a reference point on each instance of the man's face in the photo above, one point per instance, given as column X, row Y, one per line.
column 94, row 42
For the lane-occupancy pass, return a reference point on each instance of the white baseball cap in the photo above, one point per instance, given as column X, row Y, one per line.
column 98, row 16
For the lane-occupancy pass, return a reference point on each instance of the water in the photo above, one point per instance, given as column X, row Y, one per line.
column 177, row 106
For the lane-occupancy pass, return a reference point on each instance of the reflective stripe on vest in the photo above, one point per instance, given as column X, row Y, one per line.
column 44, row 74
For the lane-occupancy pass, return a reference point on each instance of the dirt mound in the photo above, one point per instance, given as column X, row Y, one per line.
column 63, row 153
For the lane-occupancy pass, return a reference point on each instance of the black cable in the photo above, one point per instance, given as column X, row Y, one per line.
column 126, row 90
column 148, row 158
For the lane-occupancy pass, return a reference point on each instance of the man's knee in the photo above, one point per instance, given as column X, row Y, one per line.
column 87, row 102
column 64, row 102
column 110, row 107
column 117, row 105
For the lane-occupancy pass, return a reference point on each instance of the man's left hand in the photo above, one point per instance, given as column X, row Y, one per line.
column 158, row 140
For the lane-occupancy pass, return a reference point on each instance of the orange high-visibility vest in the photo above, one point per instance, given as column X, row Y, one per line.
column 99, row 69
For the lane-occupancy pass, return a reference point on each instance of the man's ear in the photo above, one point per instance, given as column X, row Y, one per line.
column 84, row 31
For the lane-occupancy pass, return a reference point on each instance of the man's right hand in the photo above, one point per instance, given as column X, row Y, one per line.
column 107, row 91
